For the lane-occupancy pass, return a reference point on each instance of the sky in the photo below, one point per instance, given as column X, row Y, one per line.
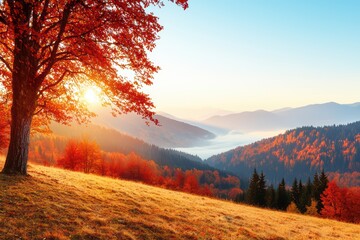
column 245, row 55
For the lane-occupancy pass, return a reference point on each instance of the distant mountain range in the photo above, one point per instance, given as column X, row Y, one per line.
column 299, row 153
column 288, row 118
column 170, row 134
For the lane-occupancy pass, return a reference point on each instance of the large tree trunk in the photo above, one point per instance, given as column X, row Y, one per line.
column 17, row 157
column 22, row 110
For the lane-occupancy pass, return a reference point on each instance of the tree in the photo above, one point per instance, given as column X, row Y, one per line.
column 282, row 196
column 50, row 50
column 323, row 182
column 252, row 194
column 90, row 156
column 71, row 156
column 271, row 197
column 341, row 203
column 295, row 195
column 261, row 194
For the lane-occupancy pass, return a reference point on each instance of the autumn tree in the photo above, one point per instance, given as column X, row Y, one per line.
column 90, row 156
column 341, row 203
column 71, row 157
column 50, row 50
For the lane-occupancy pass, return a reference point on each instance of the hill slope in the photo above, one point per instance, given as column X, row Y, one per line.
column 57, row 204
column 298, row 153
column 171, row 133
column 111, row 140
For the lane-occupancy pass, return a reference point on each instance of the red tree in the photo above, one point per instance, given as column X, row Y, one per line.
column 50, row 50
column 341, row 203
column 71, row 156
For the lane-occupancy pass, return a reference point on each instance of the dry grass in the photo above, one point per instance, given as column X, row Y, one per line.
column 57, row 204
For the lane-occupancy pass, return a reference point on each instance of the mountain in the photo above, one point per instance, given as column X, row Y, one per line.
column 111, row 140
column 288, row 118
column 59, row 204
column 298, row 153
column 170, row 134
column 213, row 129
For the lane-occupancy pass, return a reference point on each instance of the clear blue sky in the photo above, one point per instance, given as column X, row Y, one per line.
column 243, row 55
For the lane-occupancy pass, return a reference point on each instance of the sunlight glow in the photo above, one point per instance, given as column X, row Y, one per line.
column 91, row 96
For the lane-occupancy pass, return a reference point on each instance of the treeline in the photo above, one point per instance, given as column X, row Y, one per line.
column 317, row 197
column 86, row 156
column 111, row 140
column 299, row 152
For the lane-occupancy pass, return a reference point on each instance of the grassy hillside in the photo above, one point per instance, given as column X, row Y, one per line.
column 57, row 204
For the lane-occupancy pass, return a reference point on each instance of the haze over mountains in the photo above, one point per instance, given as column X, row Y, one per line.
column 287, row 118
column 170, row 134
column 221, row 133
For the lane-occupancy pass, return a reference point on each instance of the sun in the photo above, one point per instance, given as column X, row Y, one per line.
column 91, row 96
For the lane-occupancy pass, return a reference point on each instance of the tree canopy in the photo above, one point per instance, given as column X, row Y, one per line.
column 50, row 50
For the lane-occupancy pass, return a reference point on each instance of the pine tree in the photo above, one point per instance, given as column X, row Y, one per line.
column 261, row 194
column 252, row 195
column 282, row 198
column 316, row 190
column 308, row 192
column 295, row 196
column 305, row 196
column 271, row 197
column 302, row 198
column 323, row 183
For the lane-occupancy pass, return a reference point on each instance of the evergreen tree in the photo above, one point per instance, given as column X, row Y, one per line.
column 261, row 194
column 282, row 198
column 323, row 183
column 295, row 195
column 308, row 192
column 302, row 198
column 305, row 196
column 252, row 194
column 316, row 188
column 271, row 197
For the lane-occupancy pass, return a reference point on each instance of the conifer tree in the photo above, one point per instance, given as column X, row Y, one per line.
column 316, row 188
column 323, row 183
column 295, row 192
column 282, row 198
column 308, row 192
column 261, row 194
column 302, row 198
column 271, row 197
column 252, row 195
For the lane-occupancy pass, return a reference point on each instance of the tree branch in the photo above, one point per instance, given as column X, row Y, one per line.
column 40, row 78
column 55, row 83
column 6, row 64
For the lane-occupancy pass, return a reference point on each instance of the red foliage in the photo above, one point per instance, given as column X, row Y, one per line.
column 341, row 203
column 50, row 50
column 85, row 156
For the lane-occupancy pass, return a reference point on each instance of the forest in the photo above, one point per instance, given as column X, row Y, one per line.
column 316, row 197
column 299, row 153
